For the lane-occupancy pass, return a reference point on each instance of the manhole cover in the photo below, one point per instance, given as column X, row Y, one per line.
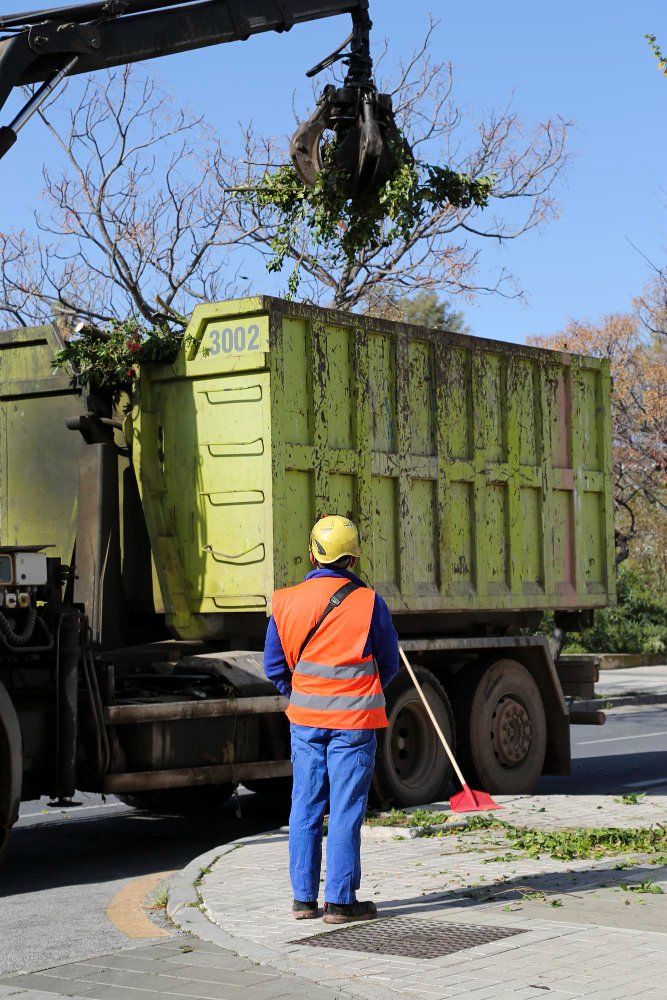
column 409, row 936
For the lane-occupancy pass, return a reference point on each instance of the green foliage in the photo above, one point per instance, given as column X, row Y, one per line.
column 396, row 817
column 638, row 623
column 348, row 226
column 648, row 886
column 160, row 899
column 570, row 845
column 110, row 358
column 657, row 52
column 425, row 308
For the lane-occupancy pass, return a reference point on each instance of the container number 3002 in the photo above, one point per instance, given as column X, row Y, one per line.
column 234, row 340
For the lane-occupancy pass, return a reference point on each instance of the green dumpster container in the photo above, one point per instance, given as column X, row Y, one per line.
column 39, row 457
column 479, row 472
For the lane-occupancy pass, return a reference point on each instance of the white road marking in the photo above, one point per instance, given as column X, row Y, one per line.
column 619, row 739
column 645, row 784
column 73, row 809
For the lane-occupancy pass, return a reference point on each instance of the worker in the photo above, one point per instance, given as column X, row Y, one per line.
column 331, row 648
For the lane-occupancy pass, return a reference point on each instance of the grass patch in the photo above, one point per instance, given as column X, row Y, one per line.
column 203, row 872
column 160, row 899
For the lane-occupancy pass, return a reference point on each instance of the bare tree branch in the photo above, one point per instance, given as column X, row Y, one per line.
column 443, row 252
column 134, row 215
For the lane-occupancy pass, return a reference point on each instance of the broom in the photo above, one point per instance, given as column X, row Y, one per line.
column 466, row 800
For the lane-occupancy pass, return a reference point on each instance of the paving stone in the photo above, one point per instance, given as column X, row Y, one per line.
column 52, row 984
column 425, row 878
column 129, row 961
column 222, row 960
column 161, row 951
column 220, row 991
column 73, row 970
column 30, row 995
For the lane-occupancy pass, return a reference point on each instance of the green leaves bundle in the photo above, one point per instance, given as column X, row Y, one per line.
column 109, row 359
column 349, row 226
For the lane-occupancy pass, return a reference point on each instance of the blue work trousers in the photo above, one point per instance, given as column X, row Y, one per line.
column 332, row 766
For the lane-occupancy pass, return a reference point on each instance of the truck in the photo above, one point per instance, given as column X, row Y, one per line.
column 141, row 543
column 40, row 709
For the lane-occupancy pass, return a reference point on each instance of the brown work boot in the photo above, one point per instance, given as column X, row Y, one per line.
column 347, row 913
column 304, row 911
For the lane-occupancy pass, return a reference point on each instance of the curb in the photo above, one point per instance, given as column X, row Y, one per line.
column 187, row 911
column 616, row 661
column 593, row 704
column 380, row 832
column 183, row 902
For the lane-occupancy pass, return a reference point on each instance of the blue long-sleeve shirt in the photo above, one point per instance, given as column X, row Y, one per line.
column 382, row 641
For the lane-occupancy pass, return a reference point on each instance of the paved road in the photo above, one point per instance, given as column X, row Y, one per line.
column 64, row 867
column 628, row 754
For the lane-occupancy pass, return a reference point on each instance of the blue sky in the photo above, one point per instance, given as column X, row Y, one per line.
column 587, row 61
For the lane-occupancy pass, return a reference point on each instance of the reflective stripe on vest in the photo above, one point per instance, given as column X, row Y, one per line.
column 337, row 703
column 349, row 671
column 334, row 686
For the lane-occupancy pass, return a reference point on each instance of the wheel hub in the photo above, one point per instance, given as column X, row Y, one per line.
column 411, row 749
column 511, row 732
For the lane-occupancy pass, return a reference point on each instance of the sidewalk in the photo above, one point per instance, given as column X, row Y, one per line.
column 182, row 968
column 630, row 686
column 633, row 682
column 465, row 914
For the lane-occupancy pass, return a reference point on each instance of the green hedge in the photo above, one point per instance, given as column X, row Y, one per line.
column 638, row 624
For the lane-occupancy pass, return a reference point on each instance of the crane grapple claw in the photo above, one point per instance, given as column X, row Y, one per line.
column 360, row 120
column 363, row 128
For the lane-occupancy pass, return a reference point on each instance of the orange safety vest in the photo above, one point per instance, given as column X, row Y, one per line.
column 334, row 686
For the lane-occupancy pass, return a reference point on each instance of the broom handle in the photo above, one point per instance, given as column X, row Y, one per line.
column 433, row 718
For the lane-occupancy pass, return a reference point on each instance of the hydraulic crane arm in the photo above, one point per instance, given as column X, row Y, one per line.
column 46, row 45
column 125, row 31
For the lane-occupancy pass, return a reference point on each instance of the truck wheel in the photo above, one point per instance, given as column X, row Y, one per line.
column 502, row 729
column 411, row 766
column 11, row 769
column 180, row 801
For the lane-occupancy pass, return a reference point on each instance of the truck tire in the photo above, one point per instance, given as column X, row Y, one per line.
column 411, row 766
column 502, row 729
column 11, row 768
column 197, row 799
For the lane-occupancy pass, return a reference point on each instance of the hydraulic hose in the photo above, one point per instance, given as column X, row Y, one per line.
column 19, row 638
column 15, row 647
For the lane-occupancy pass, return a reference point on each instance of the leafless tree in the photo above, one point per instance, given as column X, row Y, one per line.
column 135, row 223
column 443, row 251
column 145, row 219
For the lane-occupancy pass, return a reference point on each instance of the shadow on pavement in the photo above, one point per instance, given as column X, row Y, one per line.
column 610, row 775
column 93, row 850
column 514, row 889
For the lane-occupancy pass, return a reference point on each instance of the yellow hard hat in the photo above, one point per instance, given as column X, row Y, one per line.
column 332, row 538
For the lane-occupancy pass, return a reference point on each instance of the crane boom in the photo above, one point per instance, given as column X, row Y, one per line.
column 93, row 36
column 45, row 46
